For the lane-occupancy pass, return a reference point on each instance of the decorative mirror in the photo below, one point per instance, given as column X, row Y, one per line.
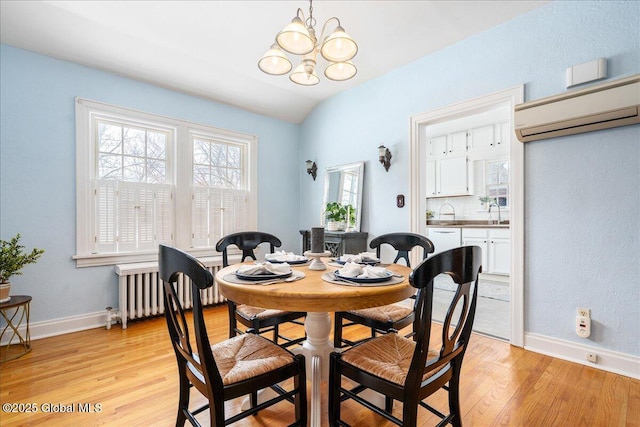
column 343, row 185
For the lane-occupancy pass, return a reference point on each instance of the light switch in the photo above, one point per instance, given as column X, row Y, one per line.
column 400, row 200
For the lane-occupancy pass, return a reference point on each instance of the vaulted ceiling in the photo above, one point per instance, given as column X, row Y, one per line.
column 211, row 48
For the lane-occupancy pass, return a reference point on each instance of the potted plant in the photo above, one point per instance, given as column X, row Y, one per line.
column 12, row 259
column 486, row 199
column 336, row 215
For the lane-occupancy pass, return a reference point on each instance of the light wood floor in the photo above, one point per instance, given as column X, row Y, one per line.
column 129, row 378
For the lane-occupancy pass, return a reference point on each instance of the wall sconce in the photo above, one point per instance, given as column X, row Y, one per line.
column 312, row 169
column 384, row 156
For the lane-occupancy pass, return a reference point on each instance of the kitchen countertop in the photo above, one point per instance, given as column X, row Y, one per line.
column 433, row 223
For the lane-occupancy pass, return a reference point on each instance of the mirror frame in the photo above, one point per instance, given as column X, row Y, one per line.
column 341, row 168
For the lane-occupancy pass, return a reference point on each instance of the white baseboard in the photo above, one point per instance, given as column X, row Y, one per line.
column 612, row 361
column 64, row 325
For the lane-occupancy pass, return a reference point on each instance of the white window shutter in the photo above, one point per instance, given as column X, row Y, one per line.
column 105, row 193
column 200, row 217
column 127, row 204
column 216, row 207
column 145, row 218
column 164, row 215
column 235, row 210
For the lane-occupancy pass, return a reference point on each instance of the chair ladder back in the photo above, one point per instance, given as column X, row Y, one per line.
column 403, row 243
column 172, row 264
column 452, row 343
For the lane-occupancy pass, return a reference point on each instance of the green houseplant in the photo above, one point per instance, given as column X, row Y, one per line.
column 13, row 258
column 338, row 215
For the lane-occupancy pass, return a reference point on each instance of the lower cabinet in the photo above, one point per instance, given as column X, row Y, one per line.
column 496, row 248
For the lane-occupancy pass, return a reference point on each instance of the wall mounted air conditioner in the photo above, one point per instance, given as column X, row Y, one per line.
column 607, row 105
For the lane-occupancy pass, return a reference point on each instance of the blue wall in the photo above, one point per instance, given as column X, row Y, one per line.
column 582, row 204
column 582, row 207
column 37, row 170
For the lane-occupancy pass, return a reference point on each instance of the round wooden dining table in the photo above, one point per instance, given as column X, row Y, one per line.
column 318, row 298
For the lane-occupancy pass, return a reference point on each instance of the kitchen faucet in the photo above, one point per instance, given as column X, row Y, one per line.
column 499, row 216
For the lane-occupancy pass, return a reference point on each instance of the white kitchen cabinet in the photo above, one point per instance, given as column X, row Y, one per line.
column 447, row 177
column 444, row 238
column 496, row 248
column 494, row 137
column 448, row 145
column 481, row 137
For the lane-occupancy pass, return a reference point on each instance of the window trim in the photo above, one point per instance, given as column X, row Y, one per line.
column 181, row 153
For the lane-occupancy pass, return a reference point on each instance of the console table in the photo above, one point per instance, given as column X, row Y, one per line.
column 15, row 312
column 338, row 242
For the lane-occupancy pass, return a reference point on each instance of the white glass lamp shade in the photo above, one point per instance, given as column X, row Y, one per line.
column 301, row 77
column 340, row 71
column 338, row 47
column 275, row 61
column 295, row 38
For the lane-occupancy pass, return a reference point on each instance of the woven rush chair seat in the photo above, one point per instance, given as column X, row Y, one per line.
column 385, row 313
column 388, row 357
column 246, row 356
column 389, row 318
column 251, row 312
column 257, row 320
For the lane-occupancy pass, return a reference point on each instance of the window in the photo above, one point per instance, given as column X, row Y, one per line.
column 219, row 194
column 497, row 181
column 144, row 179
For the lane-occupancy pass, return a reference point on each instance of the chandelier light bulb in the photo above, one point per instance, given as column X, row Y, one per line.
column 302, row 77
column 340, row 71
column 295, row 38
column 275, row 62
column 339, row 46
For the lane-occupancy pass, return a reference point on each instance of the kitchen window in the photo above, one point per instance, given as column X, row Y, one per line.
column 497, row 181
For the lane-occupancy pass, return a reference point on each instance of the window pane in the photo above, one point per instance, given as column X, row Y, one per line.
column 218, row 177
column 200, row 152
column 156, row 172
column 201, row 175
column 109, row 138
column 156, row 145
column 109, row 167
column 234, row 178
column 234, row 157
column 218, row 154
column 133, row 169
column 134, row 142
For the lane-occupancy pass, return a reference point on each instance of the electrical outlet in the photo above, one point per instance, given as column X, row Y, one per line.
column 583, row 312
column 592, row 357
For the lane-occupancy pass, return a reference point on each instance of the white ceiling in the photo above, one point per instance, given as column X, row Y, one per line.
column 211, row 48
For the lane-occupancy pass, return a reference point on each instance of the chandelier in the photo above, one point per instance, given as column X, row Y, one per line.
column 299, row 38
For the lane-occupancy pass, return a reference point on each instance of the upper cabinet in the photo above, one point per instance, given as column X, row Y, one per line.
column 448, row 145
column 493, row 137
column 448, row 177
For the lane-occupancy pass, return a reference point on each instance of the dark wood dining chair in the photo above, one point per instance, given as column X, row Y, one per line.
column 387, row 318
column 411, row 370
column 236, row 367
column 257, row 320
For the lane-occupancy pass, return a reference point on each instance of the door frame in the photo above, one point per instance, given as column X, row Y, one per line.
column 417, row 201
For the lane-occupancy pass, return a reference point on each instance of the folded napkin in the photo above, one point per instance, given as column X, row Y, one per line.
column 264, row 268
column 282, row 256
column 361, row 257
column 352, row 269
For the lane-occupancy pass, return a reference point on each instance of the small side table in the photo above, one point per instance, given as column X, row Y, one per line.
column 15, row 312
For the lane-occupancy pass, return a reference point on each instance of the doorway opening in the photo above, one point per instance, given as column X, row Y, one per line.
column 492, row 115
